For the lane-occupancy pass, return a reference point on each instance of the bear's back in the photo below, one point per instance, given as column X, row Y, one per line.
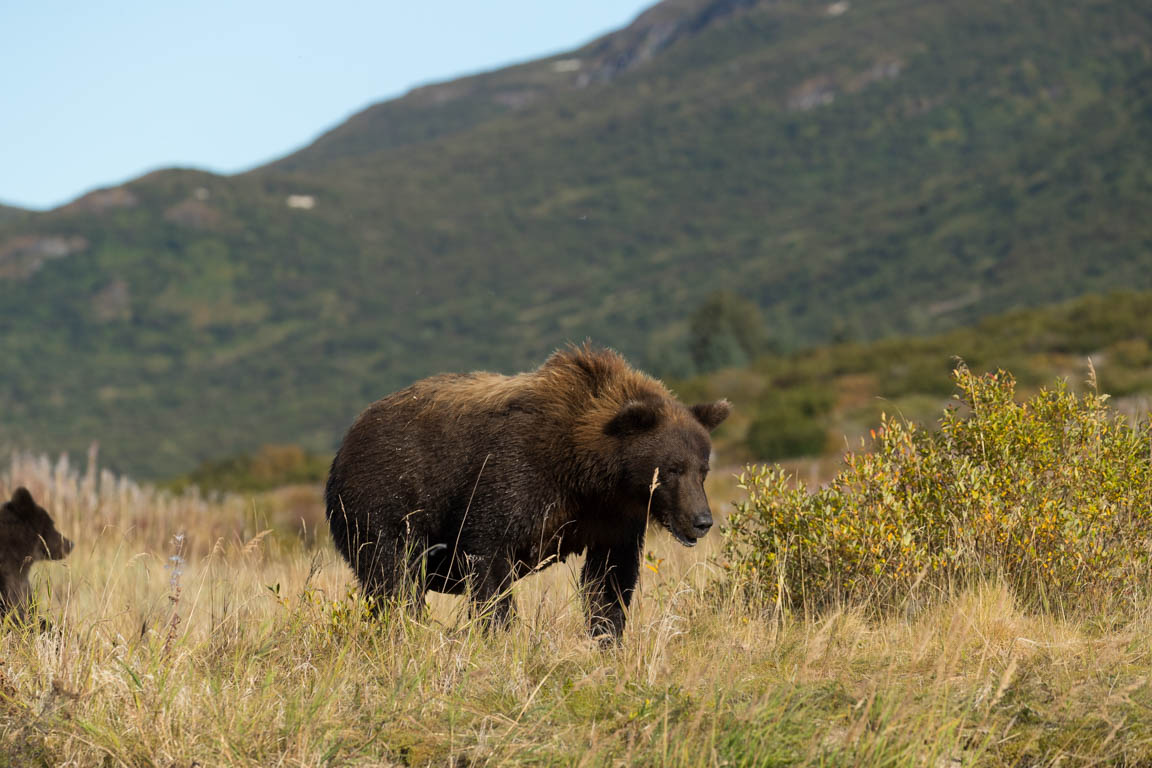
column 424, row 446
column 547, row 422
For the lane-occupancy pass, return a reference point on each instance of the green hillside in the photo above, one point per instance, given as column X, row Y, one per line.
column 901, row 167
column 10, row 214
column 817, row 402
column 823, row 400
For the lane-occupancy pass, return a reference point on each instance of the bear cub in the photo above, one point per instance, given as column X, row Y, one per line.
column 27, row 534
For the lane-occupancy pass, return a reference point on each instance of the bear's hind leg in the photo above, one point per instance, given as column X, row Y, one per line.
column 491, row 593
column 388, row 578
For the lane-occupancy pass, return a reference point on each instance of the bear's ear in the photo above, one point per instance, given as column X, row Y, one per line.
column 711, row 415
column 22, row 499
column 635, row 417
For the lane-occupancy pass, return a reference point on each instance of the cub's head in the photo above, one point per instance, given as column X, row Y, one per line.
column 27, row 532
column 664, row 435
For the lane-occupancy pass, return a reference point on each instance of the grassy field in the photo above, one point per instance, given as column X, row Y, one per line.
column 192, row 632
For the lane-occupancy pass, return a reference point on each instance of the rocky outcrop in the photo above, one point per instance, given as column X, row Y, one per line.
column 102, row 200
column 654, row 31
column 23, row 256
column 194, row 213
column 113, row 301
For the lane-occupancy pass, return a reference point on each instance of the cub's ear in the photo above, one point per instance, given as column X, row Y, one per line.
column 635, row 417
column 22, row 502
column 711, row 415
column 22, row 498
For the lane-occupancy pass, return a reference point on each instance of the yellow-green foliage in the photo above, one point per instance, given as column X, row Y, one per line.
column 270, row 467
column 1053, row 495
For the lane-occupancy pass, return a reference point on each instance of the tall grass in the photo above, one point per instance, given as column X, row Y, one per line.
column 190, row 630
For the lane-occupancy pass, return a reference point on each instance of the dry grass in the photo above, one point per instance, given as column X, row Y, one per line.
column 239, row 645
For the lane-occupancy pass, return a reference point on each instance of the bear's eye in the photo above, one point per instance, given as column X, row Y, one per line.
column 674, row 471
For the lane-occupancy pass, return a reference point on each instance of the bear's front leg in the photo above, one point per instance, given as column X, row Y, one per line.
column 15, row 595
column 609, row 579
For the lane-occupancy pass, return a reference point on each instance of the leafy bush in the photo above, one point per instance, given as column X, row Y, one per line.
column 272, row 466
column 725, row 331
column 1053, row 495
column 791, row 424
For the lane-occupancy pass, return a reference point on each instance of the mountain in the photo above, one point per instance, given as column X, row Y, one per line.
column 445, row 109
column 857, row 169
column 9, row 214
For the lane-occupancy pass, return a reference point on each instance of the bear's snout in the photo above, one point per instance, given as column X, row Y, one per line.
column 61, row 550
column 688, row 528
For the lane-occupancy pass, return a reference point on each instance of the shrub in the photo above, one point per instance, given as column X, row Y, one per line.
column 789, row 425
column 1052, row 495
column 725, row 331
column 272, row 466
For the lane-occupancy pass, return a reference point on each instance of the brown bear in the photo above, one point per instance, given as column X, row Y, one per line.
column 27, row 534
column 474, row 480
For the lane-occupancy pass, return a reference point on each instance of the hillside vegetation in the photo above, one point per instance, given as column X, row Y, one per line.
column 816, row 402
column 825, row 399
column 8, row 213
column 894, row 167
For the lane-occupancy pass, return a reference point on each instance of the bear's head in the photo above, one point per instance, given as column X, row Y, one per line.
column 27, row 532
column 662, row 435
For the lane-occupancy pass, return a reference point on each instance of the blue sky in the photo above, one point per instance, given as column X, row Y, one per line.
column 93, row 94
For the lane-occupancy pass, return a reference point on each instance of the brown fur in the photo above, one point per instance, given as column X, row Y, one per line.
column 480, row 478
column 27, row 535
